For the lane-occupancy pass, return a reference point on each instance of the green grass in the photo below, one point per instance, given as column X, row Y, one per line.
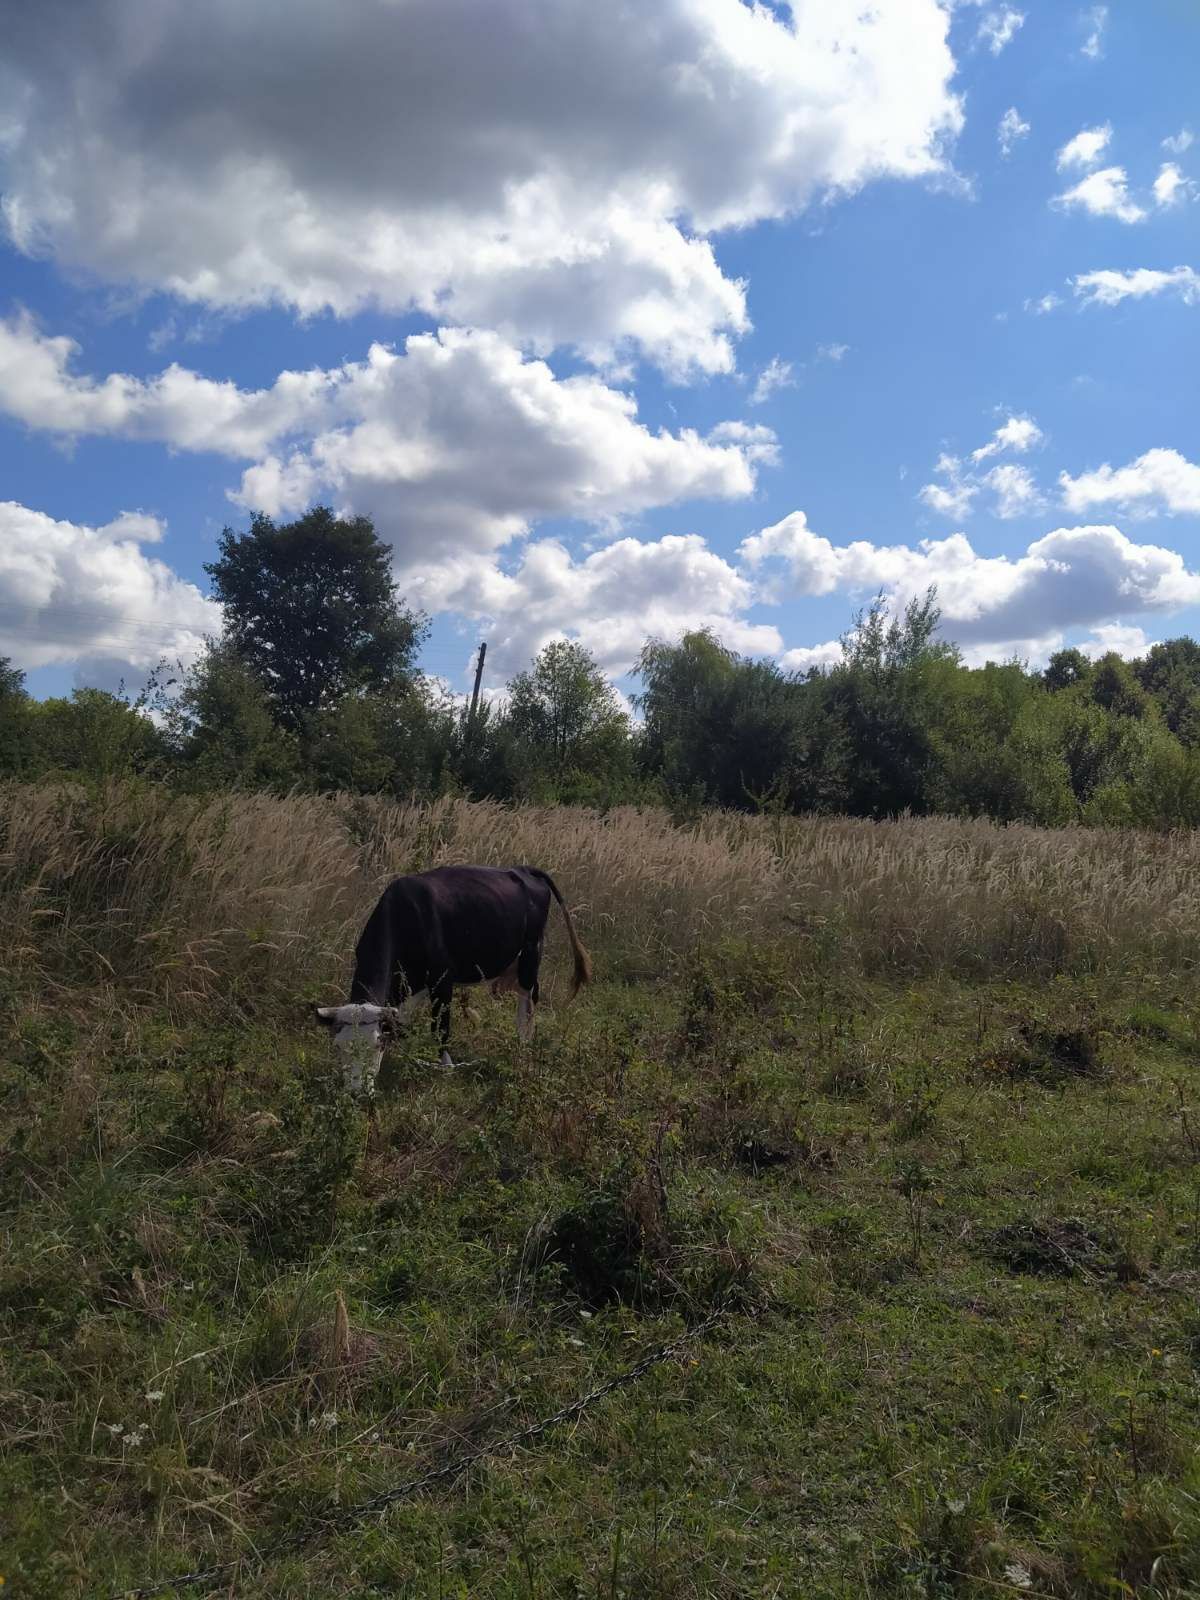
column 956, row 1227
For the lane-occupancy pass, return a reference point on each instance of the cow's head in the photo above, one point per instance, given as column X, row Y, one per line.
column 358, row 1032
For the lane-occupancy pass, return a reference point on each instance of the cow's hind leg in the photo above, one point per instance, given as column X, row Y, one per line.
column 528, row 965
column 441, row 1000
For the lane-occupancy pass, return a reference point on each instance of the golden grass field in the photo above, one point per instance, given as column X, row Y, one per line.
column 179, row 899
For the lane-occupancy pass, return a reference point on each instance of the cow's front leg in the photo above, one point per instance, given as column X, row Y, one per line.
column 441, row 999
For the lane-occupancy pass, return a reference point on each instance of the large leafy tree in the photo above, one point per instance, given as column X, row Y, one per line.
column 93, row 734
column 888, row 693
column 1065, row 669
column 735, row 732
column 312, row 609
column 975, row 767
column 15, row 720
column 1171, row 673
column 565, row 718
column 221, row 726
column 685, row 686
column 1115, row 686
column 398, row 742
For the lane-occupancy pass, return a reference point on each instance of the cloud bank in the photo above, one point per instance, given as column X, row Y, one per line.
column 71, row 593
column 555, row 177
column 457, row 442
column 1079, row 577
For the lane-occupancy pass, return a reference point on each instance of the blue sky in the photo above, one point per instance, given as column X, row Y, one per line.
column 684, row 315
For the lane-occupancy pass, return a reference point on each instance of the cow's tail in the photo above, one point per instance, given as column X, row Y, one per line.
column 583, row 961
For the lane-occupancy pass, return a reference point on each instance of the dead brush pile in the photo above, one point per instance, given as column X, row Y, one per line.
column 179, row 900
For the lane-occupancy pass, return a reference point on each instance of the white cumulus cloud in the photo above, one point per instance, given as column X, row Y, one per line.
column 457, row 442
column 1016, row 493
column 806, row 656
column 1109, row 286
column 1119, row 638
column 1012, row 486
column 557, row 178
column 1158, row 480
column 1085, row 149
column 954, row 497
column 611, row 600
column 1079, row 577
column 1017, row 433
column 74, row 593
column 178, row 407
column 1104, row 193
column 1178, row 143
column 951, row 500
column 1170, row 186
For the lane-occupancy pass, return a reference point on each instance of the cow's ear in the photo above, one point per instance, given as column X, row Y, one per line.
column 325, row 1015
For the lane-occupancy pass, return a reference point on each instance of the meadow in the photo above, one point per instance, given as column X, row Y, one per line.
column 889, row 1131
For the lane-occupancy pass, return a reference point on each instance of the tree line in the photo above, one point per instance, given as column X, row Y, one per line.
column 313, row 684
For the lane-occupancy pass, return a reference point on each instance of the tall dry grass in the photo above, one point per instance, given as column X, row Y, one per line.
column 252, row 898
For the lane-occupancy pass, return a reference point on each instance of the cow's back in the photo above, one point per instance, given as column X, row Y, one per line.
column 462, row 923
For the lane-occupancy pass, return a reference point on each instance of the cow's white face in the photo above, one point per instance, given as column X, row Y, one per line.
column 358, row 1037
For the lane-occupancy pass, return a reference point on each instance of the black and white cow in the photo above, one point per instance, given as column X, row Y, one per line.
column 434, row 930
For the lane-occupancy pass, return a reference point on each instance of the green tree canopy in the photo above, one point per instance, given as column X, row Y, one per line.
column 1171, row 673
column 15, row 721
column 399, row 742
column 93, row 734
column 888, row 695
column 682, row 687
column 735, row 732
column 312, row 609
column 565, row 716
column 1065, row 669
column 1115, row 686
column 222, row 727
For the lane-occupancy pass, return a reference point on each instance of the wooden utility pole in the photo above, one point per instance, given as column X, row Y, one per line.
column 478, row 681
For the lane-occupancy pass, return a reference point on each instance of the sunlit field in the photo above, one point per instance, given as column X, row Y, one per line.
column 899, row 1119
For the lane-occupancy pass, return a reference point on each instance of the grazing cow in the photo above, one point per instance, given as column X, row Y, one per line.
column 434, row 930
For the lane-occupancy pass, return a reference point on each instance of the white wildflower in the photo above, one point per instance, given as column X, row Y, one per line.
column 578, row 1342
column 1018, row 1575
column 135, row 1437
column 115, row 1427
column 154, row 1395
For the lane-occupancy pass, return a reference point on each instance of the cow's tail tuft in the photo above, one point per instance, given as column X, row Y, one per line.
column 583, row 961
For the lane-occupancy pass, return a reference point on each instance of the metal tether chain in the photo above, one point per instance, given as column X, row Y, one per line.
column 403, row 1491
